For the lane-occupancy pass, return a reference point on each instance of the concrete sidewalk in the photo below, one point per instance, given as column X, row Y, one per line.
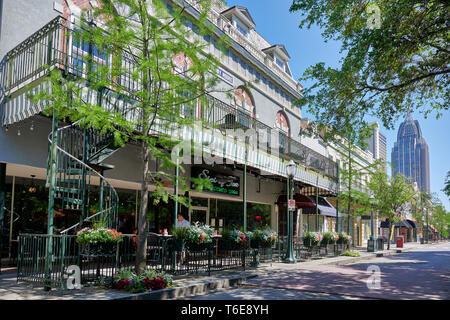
column 186, row 287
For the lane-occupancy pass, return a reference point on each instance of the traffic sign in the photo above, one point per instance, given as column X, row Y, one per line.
column 291, row 204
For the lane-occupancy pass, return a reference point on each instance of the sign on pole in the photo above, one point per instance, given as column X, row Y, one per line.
column 291, row 204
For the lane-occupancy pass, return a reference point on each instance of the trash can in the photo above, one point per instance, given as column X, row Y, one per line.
column 370, row 245
column 380, row 244
column 399, row 240
column 422, row 240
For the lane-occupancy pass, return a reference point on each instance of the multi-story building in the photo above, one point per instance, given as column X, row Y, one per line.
column 378, row 143
column 410, row 154
column 268, row 105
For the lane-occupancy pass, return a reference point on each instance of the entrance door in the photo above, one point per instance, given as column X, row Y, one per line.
column 199, row 212
column 198, row 215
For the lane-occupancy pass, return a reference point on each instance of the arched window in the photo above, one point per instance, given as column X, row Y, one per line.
column 245, row 106
column 182, row 62
column 282, row 124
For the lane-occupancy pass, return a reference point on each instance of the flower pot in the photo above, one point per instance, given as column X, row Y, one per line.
column 196, row 247
column 100, row 249
column 255, row 243
column 180, row 244
column 308, row 242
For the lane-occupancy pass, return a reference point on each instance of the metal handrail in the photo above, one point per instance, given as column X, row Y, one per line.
column 50, row 139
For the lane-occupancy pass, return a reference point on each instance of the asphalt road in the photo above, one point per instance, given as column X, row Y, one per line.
column 423, row 273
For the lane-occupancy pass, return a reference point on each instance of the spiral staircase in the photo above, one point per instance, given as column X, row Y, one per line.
column 79, row 176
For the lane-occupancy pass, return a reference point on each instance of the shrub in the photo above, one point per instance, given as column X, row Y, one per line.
column 149, row 281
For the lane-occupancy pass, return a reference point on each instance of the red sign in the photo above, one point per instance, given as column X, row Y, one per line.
column 291, row 204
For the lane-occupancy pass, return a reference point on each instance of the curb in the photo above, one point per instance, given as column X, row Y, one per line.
column 192, row 290
column 369, row 257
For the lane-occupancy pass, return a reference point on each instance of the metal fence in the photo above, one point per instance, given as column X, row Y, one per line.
column 164, row 253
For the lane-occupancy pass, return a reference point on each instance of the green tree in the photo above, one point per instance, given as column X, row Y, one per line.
column 447, row 185
column 389, row 195
column 390, row 65
column 421, row 205
column 439, row 218
column 145, row 40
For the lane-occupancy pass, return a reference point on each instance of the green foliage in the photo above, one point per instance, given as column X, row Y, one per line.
column 389, row 194
column 384, row 72
column 199, row 233
column 447, row 185
column 351, row 254
column 98, row 235
column 180, row 232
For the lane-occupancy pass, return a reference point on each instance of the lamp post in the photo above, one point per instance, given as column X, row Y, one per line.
column 290, row 171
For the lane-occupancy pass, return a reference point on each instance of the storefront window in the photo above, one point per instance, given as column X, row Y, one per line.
column 231, row 214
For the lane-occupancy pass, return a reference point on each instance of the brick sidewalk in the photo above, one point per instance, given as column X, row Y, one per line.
column 187, row 287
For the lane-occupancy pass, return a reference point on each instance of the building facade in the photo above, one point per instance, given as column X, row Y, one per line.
column 410, row 154
column 269, row 104
column 378, row 143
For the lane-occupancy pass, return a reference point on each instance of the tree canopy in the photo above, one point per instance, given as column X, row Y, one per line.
column 396, row 59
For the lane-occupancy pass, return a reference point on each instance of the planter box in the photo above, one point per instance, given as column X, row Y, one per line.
column 99, row 249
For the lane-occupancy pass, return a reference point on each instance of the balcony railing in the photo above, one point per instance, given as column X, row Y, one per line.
column 55, row 46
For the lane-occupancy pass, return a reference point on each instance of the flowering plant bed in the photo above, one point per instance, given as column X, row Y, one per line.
column 150, row 280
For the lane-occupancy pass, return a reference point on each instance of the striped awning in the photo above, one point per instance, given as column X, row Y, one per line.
column 214, row 142
column 20, row 107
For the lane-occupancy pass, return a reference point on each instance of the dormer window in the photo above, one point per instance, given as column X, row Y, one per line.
column 241, row 19
column 280, row 56
column 280, row 62
column 241, row 27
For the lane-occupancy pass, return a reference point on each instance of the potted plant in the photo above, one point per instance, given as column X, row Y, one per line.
column 99, row 240
column 180, row 236
column 236, row 239
column 312, row 239
column 343, row 238
column 198, row 236
column 329, row 238
column 263, row 238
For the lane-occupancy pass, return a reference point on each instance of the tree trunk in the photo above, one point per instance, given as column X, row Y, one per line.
column 141, row 253
column 389, row 236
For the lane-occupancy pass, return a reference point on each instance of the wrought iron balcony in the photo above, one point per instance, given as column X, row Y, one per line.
column 55, row 46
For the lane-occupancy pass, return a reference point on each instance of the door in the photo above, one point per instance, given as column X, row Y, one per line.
column 198, row 215
column 199, row 212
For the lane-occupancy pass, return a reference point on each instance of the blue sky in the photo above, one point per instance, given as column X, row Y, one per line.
column 306, row 47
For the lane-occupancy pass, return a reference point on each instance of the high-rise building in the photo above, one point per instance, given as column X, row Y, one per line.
column 378, row 143
column 410, row 154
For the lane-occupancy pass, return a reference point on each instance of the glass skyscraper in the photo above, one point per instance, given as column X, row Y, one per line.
column 410, row 154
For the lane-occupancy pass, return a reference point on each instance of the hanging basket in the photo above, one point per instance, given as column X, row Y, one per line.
column 196, row 247
column 180, row 244
column 308, row 242
column 99, row 249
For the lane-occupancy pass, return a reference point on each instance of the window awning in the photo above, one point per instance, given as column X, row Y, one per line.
column 308, row 205
column 301, row 201
column 403, row 224
column 413, row 224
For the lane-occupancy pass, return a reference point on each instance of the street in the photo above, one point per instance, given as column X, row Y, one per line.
column 423, row 273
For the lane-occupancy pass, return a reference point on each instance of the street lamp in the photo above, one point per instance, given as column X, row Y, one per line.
column 290, row 171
